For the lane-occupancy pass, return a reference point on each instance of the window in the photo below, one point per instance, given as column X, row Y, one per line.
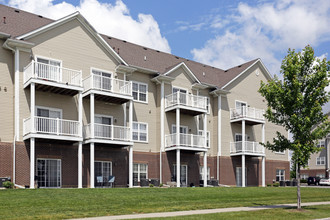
column 321, row 175
column 140, row 131
column 280, row 175
column 103, row 172
column 182, row 93
column 48, row 112
column 208, row 142
column 280, row 152
column 320, row 161
column 48, row 69
column 240, row 107
column 183, row 129
column 238, row 137
column 46, row 120
column 102, row 79
column 304, row 176
column 49, row 172
column 183, row 174
column 140, row 171
column 102, row 126
column 321, row 144
column 175, row 90
column 140, row 92
column 208, row 105
column 201, row 173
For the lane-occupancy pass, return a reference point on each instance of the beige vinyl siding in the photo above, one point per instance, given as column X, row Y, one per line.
column 6, row 94
column 312, row 161
column 245, row 88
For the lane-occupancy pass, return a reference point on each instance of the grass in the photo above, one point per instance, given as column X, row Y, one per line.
column 74, row 203
column 309, row 212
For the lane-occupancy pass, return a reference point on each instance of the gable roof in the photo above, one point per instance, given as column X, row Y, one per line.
column 20, row 24
column 186, row 69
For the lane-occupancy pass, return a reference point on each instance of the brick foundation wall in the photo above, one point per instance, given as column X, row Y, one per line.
column 314, row 172
column 6, row 159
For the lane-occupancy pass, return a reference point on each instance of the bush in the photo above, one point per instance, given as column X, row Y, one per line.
column 161, row 185
column 276, row 184
column 269, row 185
column 8, row 185
column 151, row 185
column 303, row 181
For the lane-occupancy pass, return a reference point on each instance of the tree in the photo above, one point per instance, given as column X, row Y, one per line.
column 295, row 102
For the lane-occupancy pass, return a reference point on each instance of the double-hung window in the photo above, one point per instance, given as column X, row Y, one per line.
column 140, row 171
column 280, row 175
column 140, row 92
column 321, row 144
column 140, row 131
column 320, row 161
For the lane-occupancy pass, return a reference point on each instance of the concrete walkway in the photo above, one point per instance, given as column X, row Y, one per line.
column 204, row 211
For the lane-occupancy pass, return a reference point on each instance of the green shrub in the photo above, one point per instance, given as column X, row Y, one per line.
column 161, row 185
column 269, row 185
column 8, row 185
column 277, row 184
column 151, row 185
column 303, row 181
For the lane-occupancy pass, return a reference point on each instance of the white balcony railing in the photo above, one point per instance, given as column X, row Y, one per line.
column 107, row 84
column 186, row 140
column 247, row 112
column 36, row 70
column 53, row 126
column 109, row 132
column 185, row 99
column 248, row 147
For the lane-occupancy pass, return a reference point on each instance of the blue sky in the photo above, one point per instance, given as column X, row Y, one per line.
column 220, row 33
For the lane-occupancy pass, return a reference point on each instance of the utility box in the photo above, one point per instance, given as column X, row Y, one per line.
column 4, row 179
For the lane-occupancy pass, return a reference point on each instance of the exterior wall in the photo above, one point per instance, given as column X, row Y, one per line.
column 6, row 159
column 7, row 94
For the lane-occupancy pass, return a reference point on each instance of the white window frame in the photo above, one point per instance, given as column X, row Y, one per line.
column 181, row 126
column 280, row 152
column 208, row 137
column 201, row 173
column 49, row 109
column 240, row 134
column 139, row 170
column 174, row 172
column 50, row 59
column 102, row 71
column 320, row 161
column 104, row 116
column 138, row 131
column 321, row 175
column 304, row 176
column 319, row 144
column 236, row 101
column 138, row 92
column 179, row 88
column 60, row 185
column 280, row 177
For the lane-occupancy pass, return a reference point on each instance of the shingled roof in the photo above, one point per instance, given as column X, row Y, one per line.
column 17, row 22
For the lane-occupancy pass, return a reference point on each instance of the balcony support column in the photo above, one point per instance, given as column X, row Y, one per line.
column 177, row 125
column 92, row 165
column 80, row 108
column 92, row 116
column 162, row 130
column 205, row 169
column 32, row 106
column 243, row 170
column 131, row 119
column 178, row 166
column 263, row 172
column 130, row 167
column 32, row 162
column 205, row 129
column 124, row 107
column 80, row 164
column 219, row 138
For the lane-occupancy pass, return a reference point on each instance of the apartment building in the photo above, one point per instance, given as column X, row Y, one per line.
column 82, row 109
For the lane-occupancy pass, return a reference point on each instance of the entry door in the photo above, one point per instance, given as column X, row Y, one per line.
column 240, row 107
column 49, row 172
column 183, row 130
column 239, row 176
column 102, row 126
column 182, row 95
column 48, row 69
column 183, row 175
column 102, row 80
column 45, row 122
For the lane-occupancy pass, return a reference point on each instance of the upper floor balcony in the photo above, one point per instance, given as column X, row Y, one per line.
column 186, row 142
column 108, row 134
column 108, row 89
column 247, row 148
column 188, row 103
column 51, row 128
column 53, row 78
column 250, row 115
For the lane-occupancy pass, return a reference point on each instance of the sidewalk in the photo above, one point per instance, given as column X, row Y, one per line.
column 204, row 211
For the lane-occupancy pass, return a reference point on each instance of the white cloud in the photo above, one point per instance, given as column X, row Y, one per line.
column 111, row 19
column 267, row 30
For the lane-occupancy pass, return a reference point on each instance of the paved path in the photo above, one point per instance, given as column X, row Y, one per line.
column 204, row 211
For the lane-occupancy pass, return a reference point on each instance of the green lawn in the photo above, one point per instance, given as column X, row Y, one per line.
column 309, row 212
column 72, row 203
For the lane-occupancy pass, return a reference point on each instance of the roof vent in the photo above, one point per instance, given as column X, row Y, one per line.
column 17, row 11
column 203, row 73
column 226, row 71
column 145, row 58
column 124, row 41
column 204, row 65
column 176, row 57
column 157, row 51
column 239, row 66
column 110, row 38
column 40, row 16
column 4, row 20
column 145, row 48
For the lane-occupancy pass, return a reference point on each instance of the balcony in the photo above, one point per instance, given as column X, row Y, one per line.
column 188, row 103
column 187, row 142
column 108, row 89
column 252, row 116
column 249, row 148
column 108, row 134
column 51, row 128
column 50, row 78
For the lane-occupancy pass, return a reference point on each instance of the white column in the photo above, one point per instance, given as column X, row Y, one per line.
column 32, row 162
column 130, row 167
column 205, row 169
column 162, row 130
column 178, row 168
column 263, row 172
column 130, row 118
column 243, row 170
column 92, row 165
column 80, row 164
column 92, row 114
column 124, row 107
column 219, row 137
column 17, row 83
column 80, row 109
column 32, row 105
column 243, row 136
column 177, row 125
column 205, row 129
